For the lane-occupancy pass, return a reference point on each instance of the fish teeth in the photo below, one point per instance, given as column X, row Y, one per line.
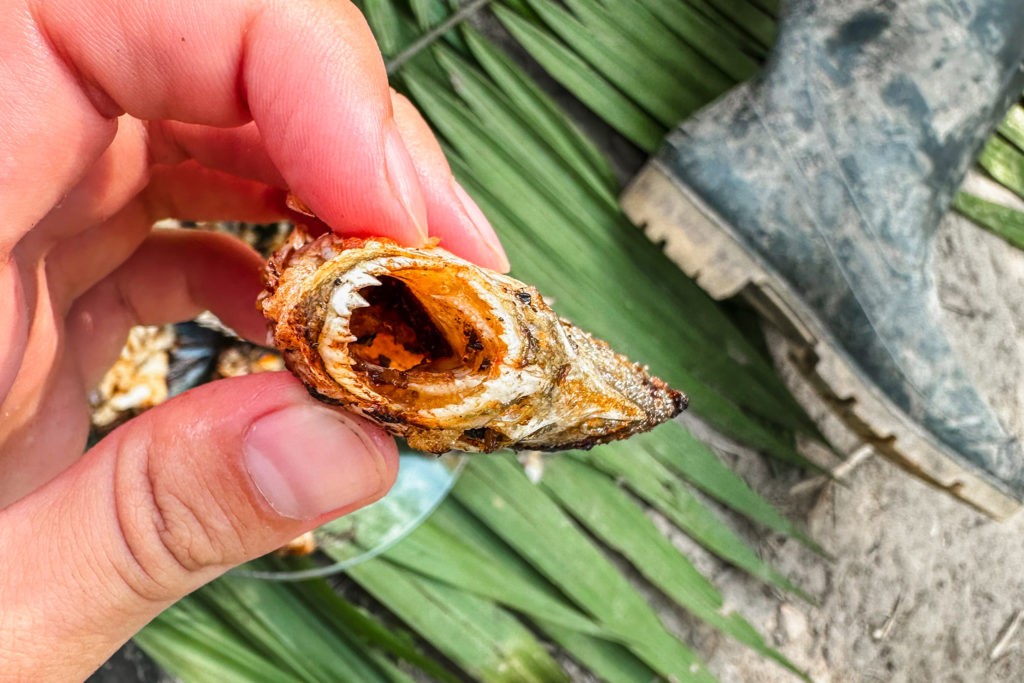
column 356, row 300
column 359, row 280
column 346, row 299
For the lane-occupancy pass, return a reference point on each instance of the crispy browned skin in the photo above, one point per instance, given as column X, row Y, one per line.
column 447, row 354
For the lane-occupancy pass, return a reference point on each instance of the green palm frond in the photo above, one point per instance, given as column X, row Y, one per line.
column 645, row 65
column 244, row 630
column 1002, row 220
column 1003, row 160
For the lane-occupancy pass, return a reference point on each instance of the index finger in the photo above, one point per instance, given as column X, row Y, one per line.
column 308, row 73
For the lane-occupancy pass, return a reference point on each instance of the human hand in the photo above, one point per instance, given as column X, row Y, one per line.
column 117, row 114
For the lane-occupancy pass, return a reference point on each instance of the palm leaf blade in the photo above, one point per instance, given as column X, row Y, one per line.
column 491, row 645
column 589, row 86
column 1002, row 220
column 499, row 494
column 594, row 500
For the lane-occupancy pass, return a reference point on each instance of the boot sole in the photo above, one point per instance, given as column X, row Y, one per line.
column 703, row 245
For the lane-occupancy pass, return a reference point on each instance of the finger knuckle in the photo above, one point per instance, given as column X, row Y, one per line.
column 171, row 529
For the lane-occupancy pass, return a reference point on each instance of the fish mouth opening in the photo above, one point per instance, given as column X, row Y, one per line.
column 418, row 330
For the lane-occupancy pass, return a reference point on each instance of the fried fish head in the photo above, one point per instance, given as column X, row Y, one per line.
column 448, row 354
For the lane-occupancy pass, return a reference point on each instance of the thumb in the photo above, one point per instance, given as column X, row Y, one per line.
column 164, row 504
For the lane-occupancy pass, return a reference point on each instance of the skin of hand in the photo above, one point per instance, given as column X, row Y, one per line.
column 114, row 115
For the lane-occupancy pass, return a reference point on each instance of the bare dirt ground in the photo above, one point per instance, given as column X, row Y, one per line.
column 920, row 587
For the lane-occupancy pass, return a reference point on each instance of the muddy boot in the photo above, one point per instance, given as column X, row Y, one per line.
column 816, row 192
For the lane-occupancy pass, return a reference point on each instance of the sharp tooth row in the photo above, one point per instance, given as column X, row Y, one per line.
column 347, row 298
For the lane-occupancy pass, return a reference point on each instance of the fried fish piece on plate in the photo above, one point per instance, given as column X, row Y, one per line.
column 448, row 354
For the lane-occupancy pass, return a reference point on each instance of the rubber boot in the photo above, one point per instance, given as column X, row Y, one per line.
column 816, row 191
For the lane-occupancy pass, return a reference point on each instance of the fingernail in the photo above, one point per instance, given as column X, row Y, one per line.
column 308, row 461
column 483, row 228
column 404, row 183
